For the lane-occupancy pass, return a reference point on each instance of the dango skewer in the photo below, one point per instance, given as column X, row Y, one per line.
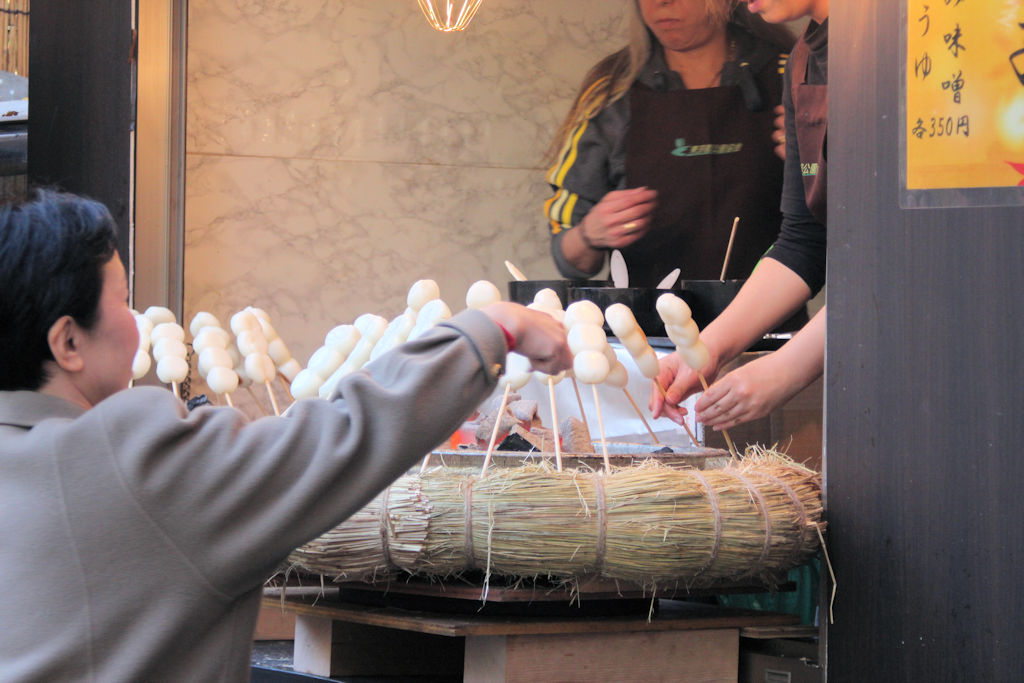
column 684, row 333
column 142, row 361
column 214, row 362
column 252, row 344
column 582, row 311
column 546, row 301
column 286, row 366
column 624, row 325
column 170, row 354
column 517, row 374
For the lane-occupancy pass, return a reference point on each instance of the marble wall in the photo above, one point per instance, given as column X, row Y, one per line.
column 338, row 150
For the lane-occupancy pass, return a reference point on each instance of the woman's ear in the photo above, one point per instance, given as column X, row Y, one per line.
column 62, row 340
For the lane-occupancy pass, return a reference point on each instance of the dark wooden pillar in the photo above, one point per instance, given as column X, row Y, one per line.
column 925, row 395
column 82, row 101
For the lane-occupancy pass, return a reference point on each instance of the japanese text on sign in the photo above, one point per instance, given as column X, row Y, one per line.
column 964, row 94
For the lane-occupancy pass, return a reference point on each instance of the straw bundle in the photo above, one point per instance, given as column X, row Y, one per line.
column 649, row 524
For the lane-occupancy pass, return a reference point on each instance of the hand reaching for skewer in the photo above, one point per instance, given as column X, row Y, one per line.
column 538, row 336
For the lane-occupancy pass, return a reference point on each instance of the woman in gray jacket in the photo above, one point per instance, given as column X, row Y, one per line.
column 135, row 537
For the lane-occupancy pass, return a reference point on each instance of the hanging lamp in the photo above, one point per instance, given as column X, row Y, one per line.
column 449, row 15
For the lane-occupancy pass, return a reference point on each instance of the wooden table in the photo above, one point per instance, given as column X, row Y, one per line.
column 679, row 641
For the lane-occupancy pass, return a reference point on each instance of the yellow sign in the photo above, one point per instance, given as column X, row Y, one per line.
column 965, row 94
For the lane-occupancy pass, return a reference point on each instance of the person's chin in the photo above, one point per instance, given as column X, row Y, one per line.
column 763, row 8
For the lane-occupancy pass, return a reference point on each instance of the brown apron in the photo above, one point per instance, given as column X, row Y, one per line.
column 710, row 159
column 810, row 103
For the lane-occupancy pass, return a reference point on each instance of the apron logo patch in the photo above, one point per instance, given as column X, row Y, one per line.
column 809, row 169
column 684, row 150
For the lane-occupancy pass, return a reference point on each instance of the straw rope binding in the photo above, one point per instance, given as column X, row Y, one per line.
column 649, row 524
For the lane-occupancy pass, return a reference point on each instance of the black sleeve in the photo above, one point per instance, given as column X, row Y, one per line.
column 802, row 238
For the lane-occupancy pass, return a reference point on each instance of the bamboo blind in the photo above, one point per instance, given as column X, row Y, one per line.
column 14, row 57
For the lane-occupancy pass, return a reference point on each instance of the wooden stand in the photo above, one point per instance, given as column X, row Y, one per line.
column 681, row 641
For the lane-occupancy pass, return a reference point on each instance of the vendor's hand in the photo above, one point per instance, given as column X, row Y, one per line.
column 779, row 134
column 679, row 381
column 619, row 219
column 747, row 393
column 538, row 336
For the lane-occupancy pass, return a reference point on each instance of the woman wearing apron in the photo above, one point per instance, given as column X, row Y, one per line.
column 670, row 140
column 792, row 271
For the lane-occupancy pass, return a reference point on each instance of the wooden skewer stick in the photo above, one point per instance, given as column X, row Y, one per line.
column 725, row 432
column 642, row 418
column 600, row 425
column 689, row 432
column 579, row 400
column 426, row 461
column 273, row 399
column 516, row 273
column 227, row 399
column 728, row 249
column 494, row 432
column 287, row 387
column 256, row 400
column 554, row 424
column 174, row 390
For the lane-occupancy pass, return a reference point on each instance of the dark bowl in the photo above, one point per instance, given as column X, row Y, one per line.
column 523, row 291
column 708, row 298
column 640, row 300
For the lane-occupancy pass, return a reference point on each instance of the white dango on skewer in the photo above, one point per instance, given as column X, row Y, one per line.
column 618, row 377
column 517, row 374
column 169, row 352
column 397, row 333
column 338, row 344
column 684, row 333
column 287, row 366
column 244, row 381
column 420, row 293
column 211, row 344
column 252, row 345
column 592, row 361
column 546, row 301
column 343, row 339
column 160, row 314
column 482, row 293
column 430, row 314
column 371, row 328
column 624, row 325
column 200, row 320
column 582, row 311
column 142, row 362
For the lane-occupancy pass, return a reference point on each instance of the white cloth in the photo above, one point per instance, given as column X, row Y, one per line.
column 619, row 417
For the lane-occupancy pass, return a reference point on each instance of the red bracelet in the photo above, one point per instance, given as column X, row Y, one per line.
column 510, row 341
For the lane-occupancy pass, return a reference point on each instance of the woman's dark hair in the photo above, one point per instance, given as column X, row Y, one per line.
column 53, row 247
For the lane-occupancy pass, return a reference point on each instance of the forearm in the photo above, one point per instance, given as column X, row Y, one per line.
column 804, row 355
column 771, row 294
column 577, row 253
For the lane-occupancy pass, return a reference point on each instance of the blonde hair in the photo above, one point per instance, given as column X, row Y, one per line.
column 612, row 77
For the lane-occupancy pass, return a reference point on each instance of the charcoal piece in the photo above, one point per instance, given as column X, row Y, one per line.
column 543, row 438
column 516, row 442
column 485, row 427
column 524, row 410
column 575, row 437
column 663, row 450
column 532, row 435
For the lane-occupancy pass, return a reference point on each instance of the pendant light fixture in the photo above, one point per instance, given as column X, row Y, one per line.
column 449, row 15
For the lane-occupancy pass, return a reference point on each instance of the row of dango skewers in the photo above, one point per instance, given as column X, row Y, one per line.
column 256, row 354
